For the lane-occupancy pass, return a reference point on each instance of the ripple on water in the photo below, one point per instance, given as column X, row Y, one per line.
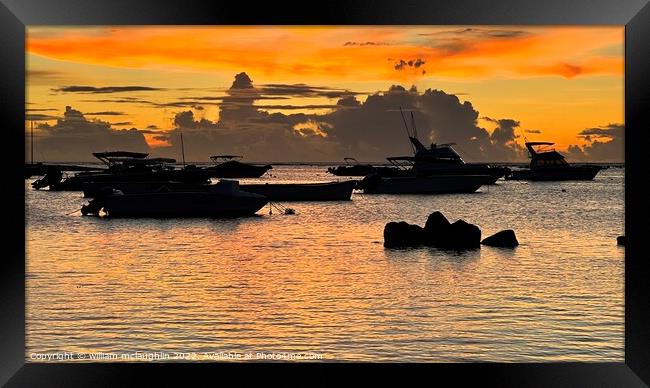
column 322, row 281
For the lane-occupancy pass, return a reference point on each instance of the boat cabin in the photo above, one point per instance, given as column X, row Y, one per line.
column 436, row 153
column 543, row 155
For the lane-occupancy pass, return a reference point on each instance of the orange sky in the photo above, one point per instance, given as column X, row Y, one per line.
column 557, row 80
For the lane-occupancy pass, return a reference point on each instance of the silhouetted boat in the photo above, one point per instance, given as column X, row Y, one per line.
column 433, row 184
column 328, row 191
column 227, row 167
column 124, row 166
column 223, row 200
column 547, row 164
column 441, row 159
column 352, row 168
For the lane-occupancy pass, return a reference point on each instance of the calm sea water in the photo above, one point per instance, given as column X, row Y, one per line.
column 320, row 281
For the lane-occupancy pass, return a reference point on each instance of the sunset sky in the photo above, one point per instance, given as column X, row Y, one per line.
column 324, row 93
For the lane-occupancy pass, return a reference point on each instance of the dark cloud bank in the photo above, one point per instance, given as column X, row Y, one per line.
column 74, row 138
column 369, row 130
column 606, row 143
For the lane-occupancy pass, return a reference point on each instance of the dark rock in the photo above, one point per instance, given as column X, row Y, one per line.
column 459, row 235
column 504, row 239
column 620, row 240
column 437, row 232
column 436, row 223
column 402, row 234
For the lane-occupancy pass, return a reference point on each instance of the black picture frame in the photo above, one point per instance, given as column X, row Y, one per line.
column 16, row 14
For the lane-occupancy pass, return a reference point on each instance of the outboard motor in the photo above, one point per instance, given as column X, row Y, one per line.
column 52, row 176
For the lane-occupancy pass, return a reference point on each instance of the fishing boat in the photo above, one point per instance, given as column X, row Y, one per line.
column 441, row 159
column 224, row 200
column 327, row 191
column 227, row 167
column 547, row 164
column 432, row 184
column 123, row 166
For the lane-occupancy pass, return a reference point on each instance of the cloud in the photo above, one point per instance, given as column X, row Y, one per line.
column 122, row 123
column 369, row 129
column 45, row 77
column 152, row 126
column 302, row 90
column 246, row 129
column 41, row 110
column 410, row 63
column 104, row 89
column 74, row 138
column 40, row 117
column 482, row 33
column 105, row 113
column 366, row 44
column 296, row 107
column 604, row 144
column 123, row 100
column 291, row 53
column 374, row 129
column 532, row 131
column 455, row 41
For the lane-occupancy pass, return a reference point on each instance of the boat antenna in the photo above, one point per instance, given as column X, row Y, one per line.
column 32, row 140
column 408, row 133
column 415, row 129
column 183, row 149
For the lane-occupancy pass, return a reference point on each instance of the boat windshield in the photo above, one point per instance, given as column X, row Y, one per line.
column 402, row 162
column 542, row 148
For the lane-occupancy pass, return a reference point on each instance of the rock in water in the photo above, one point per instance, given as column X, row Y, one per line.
column 460, row 235
column 437, row 232
column 504, row 239
column 620, row 240
column 402, row 234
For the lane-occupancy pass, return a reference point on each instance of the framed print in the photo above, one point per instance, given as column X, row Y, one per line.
column 284, row 192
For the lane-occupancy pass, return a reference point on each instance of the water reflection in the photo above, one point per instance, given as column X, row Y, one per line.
column 322, row 281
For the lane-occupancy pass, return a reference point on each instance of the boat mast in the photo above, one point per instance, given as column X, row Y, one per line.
column 183, row 149
column 32, row 141
column 408, row 133
column 415, row 129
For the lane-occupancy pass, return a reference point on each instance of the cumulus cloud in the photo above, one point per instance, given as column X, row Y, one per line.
column 374, row 129
column 74, row 138
column 604, row 144
column 246, row 129
column 370, row 129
